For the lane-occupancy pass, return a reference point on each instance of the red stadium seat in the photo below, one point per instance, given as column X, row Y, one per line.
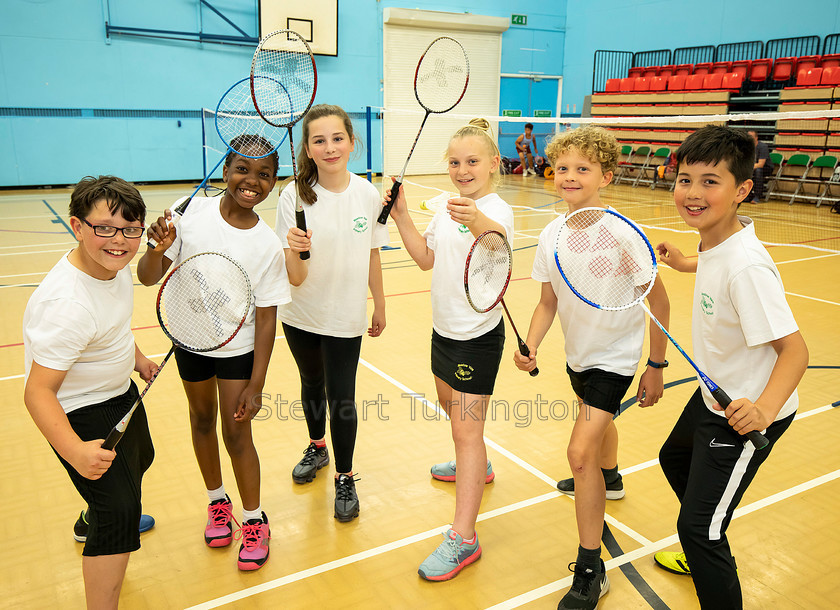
column 684, row 69
column 732, row 81
column 712, row 81
column 634, row 72
column 721, row 67
column 742, row 67
column 760, row 70
column 665, row 71
column 694, row 82
column 650, row 71
column 676, row 82
column 613, row 85
column 658, row 83
column 830, row 75
column 642, row 84
column 830, row 61
column 806, row 62
column 809, row 78
column 627, row 84
column 702, row 68
column 783, row 69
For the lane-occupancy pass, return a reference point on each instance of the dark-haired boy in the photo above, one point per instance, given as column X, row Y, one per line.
column 745, row 339
column 79, row 356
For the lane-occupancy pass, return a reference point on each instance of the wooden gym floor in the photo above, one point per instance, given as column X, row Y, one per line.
column 785, row 536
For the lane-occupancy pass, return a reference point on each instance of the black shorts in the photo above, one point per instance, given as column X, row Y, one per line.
column 114, row 499
column 198, row 367
column 600, row 389
column 469, row 366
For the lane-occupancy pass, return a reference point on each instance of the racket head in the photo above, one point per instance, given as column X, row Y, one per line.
column 487, row 272
column 242, row 128
column 283, row 78
column 605, row 258
column 204, row 301
column 442, row 75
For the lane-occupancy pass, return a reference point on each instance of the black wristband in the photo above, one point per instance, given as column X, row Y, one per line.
column 657, row 365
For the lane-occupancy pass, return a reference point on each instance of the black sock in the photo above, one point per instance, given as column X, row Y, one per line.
column 589, row 558
column 611, row 474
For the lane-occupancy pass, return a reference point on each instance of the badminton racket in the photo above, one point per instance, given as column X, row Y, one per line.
column 486, row 278
column 283, row 85
column 242, row 130
column 608, row 263
column 440, row 82
column 201, row 306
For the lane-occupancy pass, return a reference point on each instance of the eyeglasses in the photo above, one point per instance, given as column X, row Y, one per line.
column 109, row 231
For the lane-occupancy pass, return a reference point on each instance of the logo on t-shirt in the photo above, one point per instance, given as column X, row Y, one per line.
column 463, row 229
column 360, row 224
column 464, row 372
column 707, row 304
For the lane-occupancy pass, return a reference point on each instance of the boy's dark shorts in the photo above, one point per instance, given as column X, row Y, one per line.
column 200, row 367
column 600, row 389
column 469, row 366
column 114, row 499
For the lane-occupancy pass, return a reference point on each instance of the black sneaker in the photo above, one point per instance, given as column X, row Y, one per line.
column 615, row 490
column 588, row 587
column 346, row 500
column 314, row 458
column 80, row 528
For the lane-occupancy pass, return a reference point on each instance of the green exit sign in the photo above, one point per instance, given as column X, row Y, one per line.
column 542, row 113
column 511, row 113
column 519, row 19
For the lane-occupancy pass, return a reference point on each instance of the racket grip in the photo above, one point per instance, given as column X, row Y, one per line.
column 300, row 221
column 386, row 209
column 523, row 349
column 112, row 439
column 758, row 440
column 172, row 222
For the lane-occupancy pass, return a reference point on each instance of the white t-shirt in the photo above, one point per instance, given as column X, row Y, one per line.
column 202, row 229
column 608, row 340
column 76, row 323
column 452, row 315
column 332, row 300
column 739, row 308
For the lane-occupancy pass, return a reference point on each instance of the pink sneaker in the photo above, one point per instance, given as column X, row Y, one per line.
column 218, row 532
column 255, row 534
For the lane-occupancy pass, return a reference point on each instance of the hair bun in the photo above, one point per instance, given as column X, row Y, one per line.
column 481, row 123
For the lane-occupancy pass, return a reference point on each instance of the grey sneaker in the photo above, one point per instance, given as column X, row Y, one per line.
column 346, row 500
column 587, row 588
column 615, row 490
column 445, row 471
column 314, row 458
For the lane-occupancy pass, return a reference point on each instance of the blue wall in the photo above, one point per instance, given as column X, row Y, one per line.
column 668, row 24
column 54, row 55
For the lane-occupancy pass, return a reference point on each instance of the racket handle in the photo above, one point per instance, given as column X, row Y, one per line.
column 386, row 209
column 112, row 439
column 300, row 221
column 176, row 214
column 755, row 437
column 523, row 349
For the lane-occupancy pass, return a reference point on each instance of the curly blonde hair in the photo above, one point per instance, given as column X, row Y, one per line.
column 480, row 128
column 593, row 142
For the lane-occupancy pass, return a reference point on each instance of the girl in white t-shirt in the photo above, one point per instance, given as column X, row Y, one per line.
column 236, row 372
column 466, row 346
column 326, row 318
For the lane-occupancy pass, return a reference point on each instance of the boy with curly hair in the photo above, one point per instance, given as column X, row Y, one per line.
column 603, row 349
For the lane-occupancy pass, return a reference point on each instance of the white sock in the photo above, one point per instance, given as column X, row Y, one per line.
column 217, row 494
column 247, row 515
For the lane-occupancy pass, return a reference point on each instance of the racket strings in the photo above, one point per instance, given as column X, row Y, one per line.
column 284, row 78
column 241, row 126
column 442, row 75
column 605, row 260
column 488, row 271
column 204, row 301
